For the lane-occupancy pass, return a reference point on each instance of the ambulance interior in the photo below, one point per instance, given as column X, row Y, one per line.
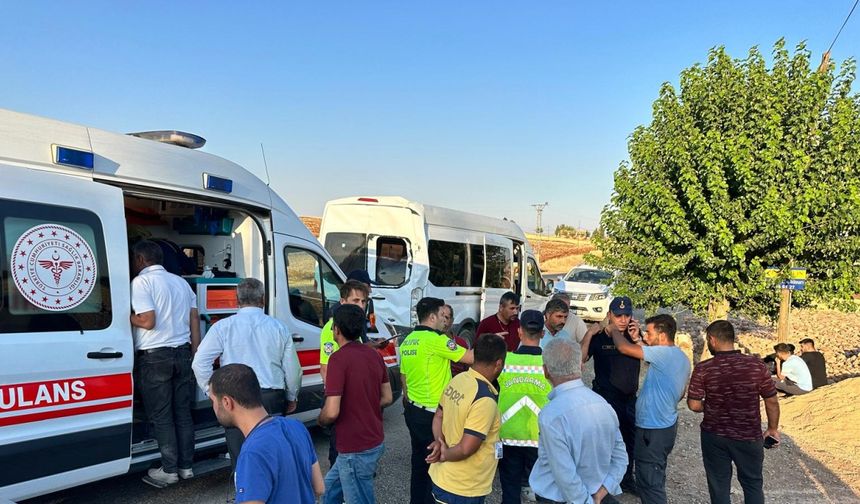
column 213, row 248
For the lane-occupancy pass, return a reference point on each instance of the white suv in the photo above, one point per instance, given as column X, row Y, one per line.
column 588, row 288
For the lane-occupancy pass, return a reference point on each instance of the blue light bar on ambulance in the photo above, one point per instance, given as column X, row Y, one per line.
column 217, row 183
column 73, row 157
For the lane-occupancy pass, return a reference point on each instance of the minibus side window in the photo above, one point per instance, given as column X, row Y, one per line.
column 54, row 269
column 392, row 258
column 476, row 263
column 499, row 267
column 349, row 250
column 447, row 263
column 312, row 285
column 534, row 278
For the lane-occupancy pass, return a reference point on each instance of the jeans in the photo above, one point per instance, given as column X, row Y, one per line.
column 652, row 448
column 351, row 478
column 420, row 425
column 788, row 386
column 275, row 402
column 444, row 497
column 167, row 387
column 516, row 463
column 625, row 409
column 718, row 453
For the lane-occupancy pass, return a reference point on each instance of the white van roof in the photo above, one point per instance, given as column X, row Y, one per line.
column 440, row 216
column 131, row 161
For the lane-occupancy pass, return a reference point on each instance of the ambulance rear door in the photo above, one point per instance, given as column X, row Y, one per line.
column 66, row 350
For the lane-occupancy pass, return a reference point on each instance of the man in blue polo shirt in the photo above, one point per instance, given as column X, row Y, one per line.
column 278, row 462
column 657, row 405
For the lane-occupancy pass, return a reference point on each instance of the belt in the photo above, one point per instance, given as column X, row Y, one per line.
column 420, row 406
column 160, row 349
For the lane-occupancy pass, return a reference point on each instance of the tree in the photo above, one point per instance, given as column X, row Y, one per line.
column 747, row 167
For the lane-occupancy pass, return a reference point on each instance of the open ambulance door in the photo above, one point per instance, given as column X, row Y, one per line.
column 66, row 351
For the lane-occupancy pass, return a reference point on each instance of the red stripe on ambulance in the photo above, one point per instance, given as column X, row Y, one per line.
column 60, row 413
column 24, row 396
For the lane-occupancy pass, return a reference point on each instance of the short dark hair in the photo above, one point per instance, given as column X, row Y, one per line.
column 428, row 306
column 554, row 305
column 783, row 347
column 350, row 321
column 490, row 348
column 805, row 341
column 510, row 297
column 149, row 250
column 722, row 330
column 665, row 324
column 353, row 285
column 239, row 382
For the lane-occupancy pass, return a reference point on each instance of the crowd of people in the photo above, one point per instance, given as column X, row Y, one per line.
column 513, row 401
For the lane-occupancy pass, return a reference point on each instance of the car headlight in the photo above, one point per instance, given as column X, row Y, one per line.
column 598, row 297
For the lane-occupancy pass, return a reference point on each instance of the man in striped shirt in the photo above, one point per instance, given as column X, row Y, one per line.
column 728, row 388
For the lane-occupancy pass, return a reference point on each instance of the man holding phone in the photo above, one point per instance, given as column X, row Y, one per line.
column 616, row 376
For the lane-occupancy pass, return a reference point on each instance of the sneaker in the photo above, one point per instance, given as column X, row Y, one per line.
column 160, row 479
column 528, row 494
column 186, row 473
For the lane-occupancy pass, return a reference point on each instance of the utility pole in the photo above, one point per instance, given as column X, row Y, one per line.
column 539, row 229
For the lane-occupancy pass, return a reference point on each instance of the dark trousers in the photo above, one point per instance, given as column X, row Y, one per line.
column 275, row 402
column 420, row 425
column 516, row 464
column 625, row 410
column 652, row 448
column 718, row 454
column 166, row 384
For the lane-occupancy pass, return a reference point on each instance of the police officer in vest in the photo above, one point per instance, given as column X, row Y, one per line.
column 523, row 391
column 425, row 369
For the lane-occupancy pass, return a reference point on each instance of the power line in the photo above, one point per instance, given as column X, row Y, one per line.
column 843, row 25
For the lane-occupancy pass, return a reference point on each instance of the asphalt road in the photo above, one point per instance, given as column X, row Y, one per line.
column 392, row 486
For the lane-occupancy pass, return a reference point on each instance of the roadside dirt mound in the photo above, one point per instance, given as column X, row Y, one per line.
column 559, row 255
column 312, row 223
column 836, row 335
column 826, row 425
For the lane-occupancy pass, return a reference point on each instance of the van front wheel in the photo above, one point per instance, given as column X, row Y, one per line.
column 468, row 334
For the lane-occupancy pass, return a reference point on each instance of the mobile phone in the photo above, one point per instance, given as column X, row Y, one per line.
column 770, row 442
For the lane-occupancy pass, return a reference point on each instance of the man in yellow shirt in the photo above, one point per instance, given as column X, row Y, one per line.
column 425, row 369
column 467, row 448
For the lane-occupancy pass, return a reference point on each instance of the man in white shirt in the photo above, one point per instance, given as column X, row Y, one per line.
column 260, row 342
column 555, row 314
column 575, row 327
column 581, row 454
column 166, row 331
column 792, row 374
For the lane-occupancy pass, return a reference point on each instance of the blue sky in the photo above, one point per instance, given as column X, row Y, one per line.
column 482, row 106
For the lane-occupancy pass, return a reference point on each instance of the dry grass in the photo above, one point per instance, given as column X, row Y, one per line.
column 559, row 255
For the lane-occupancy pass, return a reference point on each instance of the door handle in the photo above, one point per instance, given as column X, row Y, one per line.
column 297, row 338
column 104, row 355
column 464, row 293
column 378, row 298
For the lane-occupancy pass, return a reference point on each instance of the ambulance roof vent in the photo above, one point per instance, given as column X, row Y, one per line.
column 174, row 137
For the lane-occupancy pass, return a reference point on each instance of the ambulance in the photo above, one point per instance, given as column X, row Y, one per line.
column 413, row 250
column 72, row 201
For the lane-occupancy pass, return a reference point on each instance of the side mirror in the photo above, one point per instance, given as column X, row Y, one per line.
column 548, row 286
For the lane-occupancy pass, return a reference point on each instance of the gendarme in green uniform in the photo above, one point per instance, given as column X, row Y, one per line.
column 523, row 391
column 425, row 359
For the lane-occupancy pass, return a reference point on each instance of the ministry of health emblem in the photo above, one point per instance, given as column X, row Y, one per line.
column 53, row 267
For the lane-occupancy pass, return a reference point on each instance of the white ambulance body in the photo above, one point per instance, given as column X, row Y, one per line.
column 72, row 199
column 413, row 250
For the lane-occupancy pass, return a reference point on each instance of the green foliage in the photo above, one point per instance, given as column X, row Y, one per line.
column 746, row 167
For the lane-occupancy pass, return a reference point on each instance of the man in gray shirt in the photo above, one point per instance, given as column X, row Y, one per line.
column 576, row 424
column 260, row 342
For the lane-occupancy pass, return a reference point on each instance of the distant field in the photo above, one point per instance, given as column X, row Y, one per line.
column 558, row 255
